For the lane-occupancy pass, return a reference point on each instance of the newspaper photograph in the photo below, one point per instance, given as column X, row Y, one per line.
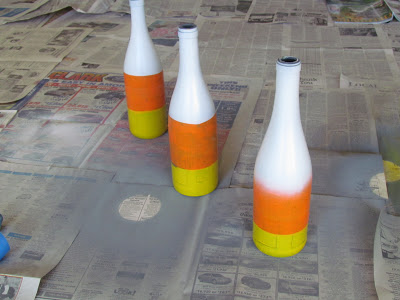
column 231, row 267
column 387, row 253
column 234, row 100
column 18, row 287
column 354, row 11
column 64, row 119
column 39, row 45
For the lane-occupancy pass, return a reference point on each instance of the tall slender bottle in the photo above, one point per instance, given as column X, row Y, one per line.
column 144, row 80
column 283, row 172
column 192, row 123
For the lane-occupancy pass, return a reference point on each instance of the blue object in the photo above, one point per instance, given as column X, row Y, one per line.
column 4, row 246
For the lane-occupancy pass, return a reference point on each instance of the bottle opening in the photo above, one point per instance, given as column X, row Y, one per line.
column 289, row 61
column 189, row 27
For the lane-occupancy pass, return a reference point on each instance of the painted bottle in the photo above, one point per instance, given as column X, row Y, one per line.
column 192, row 123
column 144, row 80
column 283, row 171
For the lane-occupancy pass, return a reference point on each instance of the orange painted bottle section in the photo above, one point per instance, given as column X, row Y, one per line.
column 280, row 213
column 145, row 93
column 193, row 146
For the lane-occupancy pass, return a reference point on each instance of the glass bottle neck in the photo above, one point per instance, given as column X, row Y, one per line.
column 138, row 20
column 189, row 61
column 287, row 92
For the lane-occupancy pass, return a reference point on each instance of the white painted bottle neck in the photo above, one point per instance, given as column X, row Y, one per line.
column 138, row 19
column 189, row 61
column 286, row 103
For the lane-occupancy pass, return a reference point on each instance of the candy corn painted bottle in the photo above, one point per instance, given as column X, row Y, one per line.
column 144, row 80
column 283, row 172
column 192, row 123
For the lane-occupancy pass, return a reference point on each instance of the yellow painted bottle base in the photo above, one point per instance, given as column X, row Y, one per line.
column 148, row 124
column 195, row 183
column 278, row 245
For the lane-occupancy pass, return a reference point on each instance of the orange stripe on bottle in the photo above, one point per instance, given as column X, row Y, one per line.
column 144, row 93
column 280, row 213
column 193, row 146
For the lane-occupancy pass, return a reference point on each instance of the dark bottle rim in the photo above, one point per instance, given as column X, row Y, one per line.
column 289, row 61
column 188, row 27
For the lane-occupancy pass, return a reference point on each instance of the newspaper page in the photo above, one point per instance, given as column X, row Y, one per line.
column 235, row 48
column 5, row 117
column 391, row 31
column 337, row 261
column 225, row 9
column 165, row 9
column 364, row 11
column 64, row 119
column 11, row 10
column 105, row 47
column 43, row 213
column 394, row 6
column 387, row 254
column 18, row 78
column 143, row 251
column 291, row 16
column 18, row 287
column 346, row 36
column 39, row 45
column 83, row 6
column 234, row 100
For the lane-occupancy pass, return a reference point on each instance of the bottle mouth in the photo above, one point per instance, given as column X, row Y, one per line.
column 288, row 61
column 189, row 27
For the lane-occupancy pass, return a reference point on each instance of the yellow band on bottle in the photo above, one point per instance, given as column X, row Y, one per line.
column 195, row 182
column 279, row 245
column 148, row 124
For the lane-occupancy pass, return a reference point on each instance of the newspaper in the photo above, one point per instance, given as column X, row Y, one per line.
column 83, row 6
column 168, row 8
column 223, row 8
column 43, row 212
column 11, row 10
column 131, row 255
column 391, row 31
column 18, row 78
column 97, row 52
column 365, row 11
column 234, row 99
column 290, row 16
column 63, row 120
column 39, row 45
column 394, row 6
column 386, row 254
column 18, row 287
column 231, row 47
column 5, row 117
column 208, row 250
column 28, row 55
column 337, row 260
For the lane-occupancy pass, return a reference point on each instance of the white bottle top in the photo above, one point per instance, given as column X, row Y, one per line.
column 191, row 102
column 141, row 58
column 283, row 162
